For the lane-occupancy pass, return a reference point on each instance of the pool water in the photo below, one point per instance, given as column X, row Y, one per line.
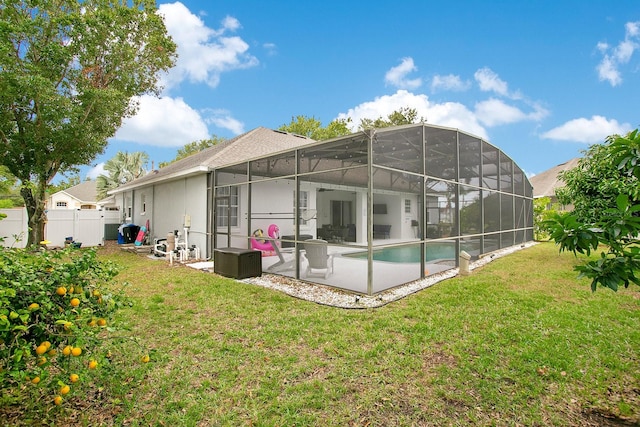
column 435, row 251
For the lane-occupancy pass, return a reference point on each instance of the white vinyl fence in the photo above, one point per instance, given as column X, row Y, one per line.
column 85, row 226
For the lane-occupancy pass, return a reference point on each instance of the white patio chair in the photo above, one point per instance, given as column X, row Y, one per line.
column 315, row 252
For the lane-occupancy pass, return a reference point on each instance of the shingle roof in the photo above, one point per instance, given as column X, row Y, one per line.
column 253, row 144
column 545, row 183
column 84, row 192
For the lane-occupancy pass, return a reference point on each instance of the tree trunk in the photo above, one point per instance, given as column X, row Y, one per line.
column 34, row 203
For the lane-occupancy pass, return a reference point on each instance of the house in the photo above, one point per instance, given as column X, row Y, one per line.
column 545, row 183
column 81, row 196
column 390, row 205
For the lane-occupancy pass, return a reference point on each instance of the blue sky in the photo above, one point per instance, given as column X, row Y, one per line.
column 542, row 80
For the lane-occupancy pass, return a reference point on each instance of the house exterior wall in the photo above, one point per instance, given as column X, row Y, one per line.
column 166, row 204
column 71, row 202
column 445, row 192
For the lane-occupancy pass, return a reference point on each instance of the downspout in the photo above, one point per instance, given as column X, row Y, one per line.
column 210, row 215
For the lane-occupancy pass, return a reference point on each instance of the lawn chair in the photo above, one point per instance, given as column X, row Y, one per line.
column 281, row 264
column 317, row 257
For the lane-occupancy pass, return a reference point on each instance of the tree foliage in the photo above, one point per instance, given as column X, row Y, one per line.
column 69, row 74
column 121, row 168
column 542, row 212
column 9, row 191
column 194, row 147
column 616, row 226
column 66, row 182
column 312, row 128
column 595, row 183
column 403, row 116
column 50, row 303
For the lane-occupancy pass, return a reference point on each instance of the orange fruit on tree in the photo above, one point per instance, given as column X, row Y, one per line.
column 76, row 351
column 34, row 306
column 96, row 293
column 93, row 364
column 42, row 360
column 65, row 389
column 35, row 380
column 61, row 291
column 145, row 358
column 52, row 352
column 67, row 350
column 74, row 378
column 57, row 400
column 41, row 349
column 74, row 302
column 46, row 344
column 102, row 322
column 92, row 323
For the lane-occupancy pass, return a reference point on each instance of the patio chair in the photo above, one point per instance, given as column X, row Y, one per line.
column 317, row 257
column 281, row 264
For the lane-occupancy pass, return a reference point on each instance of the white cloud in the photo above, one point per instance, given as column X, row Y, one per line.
column 590, row 131
column 397, row 76
column 449, row 82
column 96, row 171
column 614, row 57
column 224, row 120
column 450, row 114
column 489, row 81
column 270, row 48
column 163, row 122
column 607, row 70
column 494, row 112
column 203, row 53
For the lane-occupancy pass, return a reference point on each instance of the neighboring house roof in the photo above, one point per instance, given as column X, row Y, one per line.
column 84, row 192
column 545, row 183
column 253, row 144
column 107, row 201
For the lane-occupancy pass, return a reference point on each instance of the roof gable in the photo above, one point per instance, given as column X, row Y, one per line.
column 84, row 192
column 545, row 183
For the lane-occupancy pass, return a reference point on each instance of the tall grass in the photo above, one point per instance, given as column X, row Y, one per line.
column 519, row 342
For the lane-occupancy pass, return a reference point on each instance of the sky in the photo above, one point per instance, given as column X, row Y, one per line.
column 542, row 80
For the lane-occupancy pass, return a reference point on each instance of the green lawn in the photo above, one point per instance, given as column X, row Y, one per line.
column 519, row 342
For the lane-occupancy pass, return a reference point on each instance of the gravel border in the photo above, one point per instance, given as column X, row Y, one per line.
column 326, row 295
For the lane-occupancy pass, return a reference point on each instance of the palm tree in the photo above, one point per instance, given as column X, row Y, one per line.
column 121, row 168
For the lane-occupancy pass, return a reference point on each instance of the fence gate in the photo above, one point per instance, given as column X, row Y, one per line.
column 85, row 226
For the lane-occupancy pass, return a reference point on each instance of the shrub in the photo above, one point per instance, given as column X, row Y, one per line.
column 55, row 308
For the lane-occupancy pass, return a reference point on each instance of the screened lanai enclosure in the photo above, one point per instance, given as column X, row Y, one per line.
column 375, row 209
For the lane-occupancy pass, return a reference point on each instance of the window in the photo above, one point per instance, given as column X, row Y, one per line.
column 407, row 206
column 143, row 198
column 227, row 206
column 304, row 207
column 61, row 204
column 129, row 208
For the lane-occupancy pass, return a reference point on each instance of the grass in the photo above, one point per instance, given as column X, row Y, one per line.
column 519, row 342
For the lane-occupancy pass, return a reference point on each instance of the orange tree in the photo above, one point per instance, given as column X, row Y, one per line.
column 613, row 226
column 55, row 308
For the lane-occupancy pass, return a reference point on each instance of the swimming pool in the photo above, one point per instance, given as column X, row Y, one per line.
column 411, row 253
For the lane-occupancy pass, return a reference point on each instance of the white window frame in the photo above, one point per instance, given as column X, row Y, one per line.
column 221, row 210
